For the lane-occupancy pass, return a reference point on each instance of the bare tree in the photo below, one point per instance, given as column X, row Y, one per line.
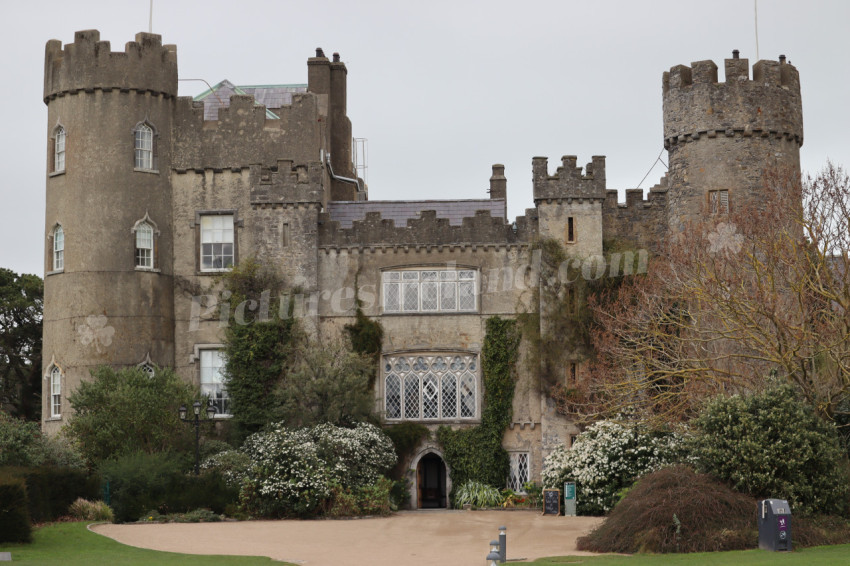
column 758, row 292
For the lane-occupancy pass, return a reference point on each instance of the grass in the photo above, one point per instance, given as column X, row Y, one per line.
column 816, row 556
column 71, row 544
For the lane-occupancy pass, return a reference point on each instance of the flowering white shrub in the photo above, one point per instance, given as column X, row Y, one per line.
column 607, row 457
column 231, row 464
column 292, row 472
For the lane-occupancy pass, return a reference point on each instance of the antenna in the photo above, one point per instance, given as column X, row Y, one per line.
column 756, row 4
column 150, row 19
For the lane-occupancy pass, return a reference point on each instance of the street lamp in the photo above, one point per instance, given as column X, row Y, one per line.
column 196, row 409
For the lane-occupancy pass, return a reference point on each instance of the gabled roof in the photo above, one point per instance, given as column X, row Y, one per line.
column 271, row 96
column 346, row 212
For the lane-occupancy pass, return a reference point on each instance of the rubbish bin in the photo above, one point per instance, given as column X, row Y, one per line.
column 774, row 520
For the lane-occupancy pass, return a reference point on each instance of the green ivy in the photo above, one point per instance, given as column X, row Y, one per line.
column 259, row 353
column 367, row 337
column 476, row 454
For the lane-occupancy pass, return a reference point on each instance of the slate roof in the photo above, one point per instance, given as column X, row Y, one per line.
column 346, row 212
column 271, row 96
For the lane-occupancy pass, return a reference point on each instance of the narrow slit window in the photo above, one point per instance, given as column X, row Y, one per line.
column 571, row 229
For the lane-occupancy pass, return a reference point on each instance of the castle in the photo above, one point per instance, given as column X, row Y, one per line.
column 150, row 196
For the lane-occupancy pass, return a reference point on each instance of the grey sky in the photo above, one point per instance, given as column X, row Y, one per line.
column 441, row 89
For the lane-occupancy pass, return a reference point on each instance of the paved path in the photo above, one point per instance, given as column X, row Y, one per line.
column 411, row 538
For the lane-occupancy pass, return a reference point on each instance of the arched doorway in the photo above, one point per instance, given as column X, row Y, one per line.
column 431, row 483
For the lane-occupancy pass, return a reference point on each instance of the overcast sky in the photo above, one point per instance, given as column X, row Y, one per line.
column 441, row 89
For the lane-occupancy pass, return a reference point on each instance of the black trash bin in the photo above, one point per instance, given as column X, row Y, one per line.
column 774, row 520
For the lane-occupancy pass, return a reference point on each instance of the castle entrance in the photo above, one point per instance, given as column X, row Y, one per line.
column 431, row 483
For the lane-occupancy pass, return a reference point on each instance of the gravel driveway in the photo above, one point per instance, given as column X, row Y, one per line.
column 409, row 538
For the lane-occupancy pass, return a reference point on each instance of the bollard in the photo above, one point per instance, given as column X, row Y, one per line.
column 503, row 544
column 493, row 557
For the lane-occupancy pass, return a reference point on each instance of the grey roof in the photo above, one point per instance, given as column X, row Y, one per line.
column 346, row 212
column 270, row 96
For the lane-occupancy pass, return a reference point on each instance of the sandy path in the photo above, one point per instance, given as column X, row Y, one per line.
column 413, row 538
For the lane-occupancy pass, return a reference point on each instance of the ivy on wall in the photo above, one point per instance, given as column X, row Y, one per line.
column 476, row 453
column 367, row 337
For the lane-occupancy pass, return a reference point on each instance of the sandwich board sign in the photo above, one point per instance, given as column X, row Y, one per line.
column 551, row 501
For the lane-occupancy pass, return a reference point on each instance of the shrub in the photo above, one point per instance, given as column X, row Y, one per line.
column 477, row 494
column 140, row 482
column 232, row 465
column 292, row 471
column 119, row 412
column 14, row 516
column 50, row 491
column 607, row 457
column 23, row 444
column 372, row 499
column 677, row 510
column 772, row 444
column 86, row 510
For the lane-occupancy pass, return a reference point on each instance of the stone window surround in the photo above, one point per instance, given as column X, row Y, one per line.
column 445, row 352
column 155, row 250
column 432, row 267
column 196, row 226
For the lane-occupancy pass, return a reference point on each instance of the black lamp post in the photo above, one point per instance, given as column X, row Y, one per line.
column 196, row 408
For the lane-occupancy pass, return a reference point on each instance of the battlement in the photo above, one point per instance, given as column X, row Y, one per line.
column 286, row 183
column 244, row 134
column 427, row 230
column 569, row 182
column 637, row 222
column 88, row 64
column 698, row 106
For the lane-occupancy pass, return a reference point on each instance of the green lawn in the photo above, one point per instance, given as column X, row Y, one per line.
column 71, row 544
column 821, row 555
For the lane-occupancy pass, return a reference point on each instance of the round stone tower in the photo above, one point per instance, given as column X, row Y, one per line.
column 722, row 137
column 108, row 239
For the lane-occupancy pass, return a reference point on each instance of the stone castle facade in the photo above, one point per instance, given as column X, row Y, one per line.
column 150, row 196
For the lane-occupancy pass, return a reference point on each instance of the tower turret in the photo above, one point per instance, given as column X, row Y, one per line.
column 722, row 137
column 108, row 238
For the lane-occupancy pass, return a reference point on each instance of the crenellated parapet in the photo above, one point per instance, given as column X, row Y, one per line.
column 698, row 106
column 638, row 222
column 374, row 230
column 244, row 134
column 89, row 64
column 286, row 183
column 569, row 181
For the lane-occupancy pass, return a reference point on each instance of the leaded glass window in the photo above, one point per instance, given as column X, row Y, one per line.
column 393, row 397
column 519, row 472
column 430, row 387
column 433, row 290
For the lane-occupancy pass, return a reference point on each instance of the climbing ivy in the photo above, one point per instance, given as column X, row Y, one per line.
column 260, row 350
column 367, row 338
column 476, row 453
